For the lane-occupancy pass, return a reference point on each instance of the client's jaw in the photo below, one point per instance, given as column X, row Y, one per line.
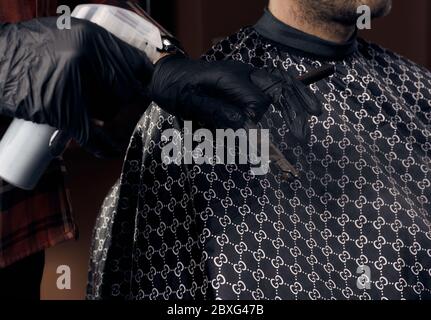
column 332, row 20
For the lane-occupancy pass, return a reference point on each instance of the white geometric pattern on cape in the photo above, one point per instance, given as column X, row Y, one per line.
column 363, row 197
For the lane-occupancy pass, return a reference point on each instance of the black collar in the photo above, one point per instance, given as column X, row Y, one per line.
column 273, row 29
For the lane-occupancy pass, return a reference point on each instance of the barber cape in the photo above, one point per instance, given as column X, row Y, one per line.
column 356, row 224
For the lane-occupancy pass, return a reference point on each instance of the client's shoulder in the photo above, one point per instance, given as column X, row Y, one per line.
column 225, row 47
column 385, row 56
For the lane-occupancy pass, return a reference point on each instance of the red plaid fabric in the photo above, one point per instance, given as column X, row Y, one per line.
column 31, row 221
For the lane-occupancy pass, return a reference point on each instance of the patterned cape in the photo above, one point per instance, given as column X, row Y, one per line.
column 355, row 225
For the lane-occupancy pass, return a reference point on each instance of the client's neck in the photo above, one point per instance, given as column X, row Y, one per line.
column 292, row 14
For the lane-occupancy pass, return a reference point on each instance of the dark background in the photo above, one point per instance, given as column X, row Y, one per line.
column 198, row 23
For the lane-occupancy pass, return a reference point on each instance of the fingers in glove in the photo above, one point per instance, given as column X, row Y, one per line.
column 267, row 79
column 237, row 88
column 282, row 81
column 295, row 102
column 217, row 113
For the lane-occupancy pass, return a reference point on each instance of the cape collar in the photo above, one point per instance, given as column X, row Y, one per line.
column 273, row 29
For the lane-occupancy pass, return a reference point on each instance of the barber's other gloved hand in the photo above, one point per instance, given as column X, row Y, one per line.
column 225, row 94
column 68, row 78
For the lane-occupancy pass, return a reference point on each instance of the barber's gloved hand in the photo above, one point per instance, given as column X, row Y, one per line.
column 296, row 101
column 227, row 93
column 67, row 78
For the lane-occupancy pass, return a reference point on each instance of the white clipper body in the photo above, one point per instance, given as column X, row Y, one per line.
column 134, row 29
column 27, row 149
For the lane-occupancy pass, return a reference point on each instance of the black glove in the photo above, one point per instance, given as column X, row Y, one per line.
column 66, row 78
column 227, row 93
column 295, row 101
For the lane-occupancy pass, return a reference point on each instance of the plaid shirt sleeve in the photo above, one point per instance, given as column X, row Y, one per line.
column 31, row 221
